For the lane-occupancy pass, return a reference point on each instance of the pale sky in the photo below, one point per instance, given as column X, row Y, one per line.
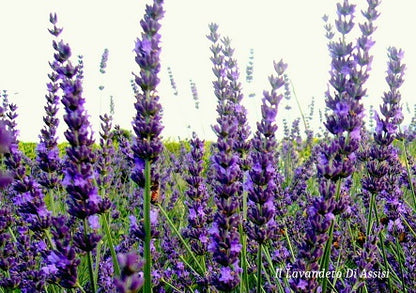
column 275, row 29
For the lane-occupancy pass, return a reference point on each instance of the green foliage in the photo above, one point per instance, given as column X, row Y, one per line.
column 28, row 149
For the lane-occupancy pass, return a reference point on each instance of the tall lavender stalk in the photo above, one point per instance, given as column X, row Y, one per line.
column 225, row 243
column 336, row 160
column 385, row 163
column 261, row 183
column 84, row 202
column 47, row 155
column 146, row 124
column 349, row 71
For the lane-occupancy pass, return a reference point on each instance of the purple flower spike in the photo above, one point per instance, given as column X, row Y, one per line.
column 147, row 122
column 199, row 212
column 262, row 184
column 47, row 150
column 83, row 200
column 228, row 161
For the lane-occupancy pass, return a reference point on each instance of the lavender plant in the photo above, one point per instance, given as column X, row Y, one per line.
column 247, row 213
column 146, row 124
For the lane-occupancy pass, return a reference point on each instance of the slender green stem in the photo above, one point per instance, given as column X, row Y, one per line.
column 12, row 234
column 147, row 230
column 408, row 225
column 77, row 285
column 185, row 244
column 243, row 238
column 51, row 196
column 370, row 214
column 299, row 107
column 110, row 244
column 259, row 268
column 97, row 260
column 409, row 175
column 170, row 285
column 327, row 255
column 324, row 263
column 49, row 238
column 90, row 261
column 289, row 243
column 383, row 249
column 400, row 260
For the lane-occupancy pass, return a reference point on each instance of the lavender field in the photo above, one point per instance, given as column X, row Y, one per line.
column 328, row 210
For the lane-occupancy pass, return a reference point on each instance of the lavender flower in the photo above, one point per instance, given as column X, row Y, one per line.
column 5, row 141
column 199, row 214
column 105, row 154
column 337, row 159
column 194, row 92
column 225, row 244
column 172, row 82
column 261, row 184
column 250, row 67
column 25, row 193
column 104, row 60
column 146, row 123
column 61, row 264
column 83, row 200
column 47, row 156
column 131, row 278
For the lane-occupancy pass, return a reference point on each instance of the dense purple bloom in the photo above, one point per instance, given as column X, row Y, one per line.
column 83, row 200
column 199, row 214
column 47, row 149
column 61, row 264
column 227, row 163
column 5, row 141
column 147, row 122
column 383, row 165
column 337, row 159
column 131, row 278
column 262, row 182
column 24, row 192
column 105, row 154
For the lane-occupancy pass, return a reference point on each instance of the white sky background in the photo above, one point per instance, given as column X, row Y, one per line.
column 275, row 29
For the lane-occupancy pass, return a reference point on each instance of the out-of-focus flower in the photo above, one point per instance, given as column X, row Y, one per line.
column 131, row 278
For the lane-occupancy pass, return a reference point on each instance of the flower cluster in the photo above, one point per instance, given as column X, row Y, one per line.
column 325, row 212
column 262, row 182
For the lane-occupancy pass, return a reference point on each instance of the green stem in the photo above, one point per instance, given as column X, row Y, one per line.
column 77, row 285
column 90, row 261
column 97, row 261
column 289, row 243
column 111, row 245
column 52, row 201
column 324, row 263
column 243, row 238
column 147, row 229
column 400, row 260
column 185, row 244
column 12, row 234
column 299, row 107
column 408, row 225
column 170, row 285
column 327, row 255
column 383, row 249
column 370, row 214
column 259, row 268
column 409, row 175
